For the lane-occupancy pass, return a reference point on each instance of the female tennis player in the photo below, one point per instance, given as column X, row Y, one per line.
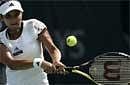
column 22, row 49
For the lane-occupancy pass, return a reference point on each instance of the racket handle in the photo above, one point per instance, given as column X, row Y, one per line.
column 84, row 65
column 69, row 69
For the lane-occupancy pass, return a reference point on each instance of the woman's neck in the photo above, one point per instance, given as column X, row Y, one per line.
column 13, row 34
column 17, row 30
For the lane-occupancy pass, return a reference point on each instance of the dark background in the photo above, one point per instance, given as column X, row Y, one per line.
column 100, row 26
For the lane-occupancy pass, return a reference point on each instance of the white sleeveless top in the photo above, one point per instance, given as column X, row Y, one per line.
column 26, row 47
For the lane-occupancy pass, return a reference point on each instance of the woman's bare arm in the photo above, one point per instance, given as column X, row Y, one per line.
column 7, row 58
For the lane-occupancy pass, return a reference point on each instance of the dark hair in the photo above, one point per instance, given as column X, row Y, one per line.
column 4, row 1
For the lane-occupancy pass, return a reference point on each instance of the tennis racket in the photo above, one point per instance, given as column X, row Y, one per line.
column 111, row 68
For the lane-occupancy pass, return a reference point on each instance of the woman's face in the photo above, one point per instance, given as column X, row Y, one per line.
column 13, row 19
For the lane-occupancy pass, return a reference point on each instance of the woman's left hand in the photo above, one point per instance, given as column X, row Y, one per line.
column 60, row 67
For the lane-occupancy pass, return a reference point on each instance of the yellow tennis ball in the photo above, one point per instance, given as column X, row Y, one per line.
column 71, row 41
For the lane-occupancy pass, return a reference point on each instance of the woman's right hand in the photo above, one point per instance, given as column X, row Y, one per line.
column 48, row 67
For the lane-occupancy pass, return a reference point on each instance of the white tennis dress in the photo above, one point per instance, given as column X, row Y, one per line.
column 26, row 47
